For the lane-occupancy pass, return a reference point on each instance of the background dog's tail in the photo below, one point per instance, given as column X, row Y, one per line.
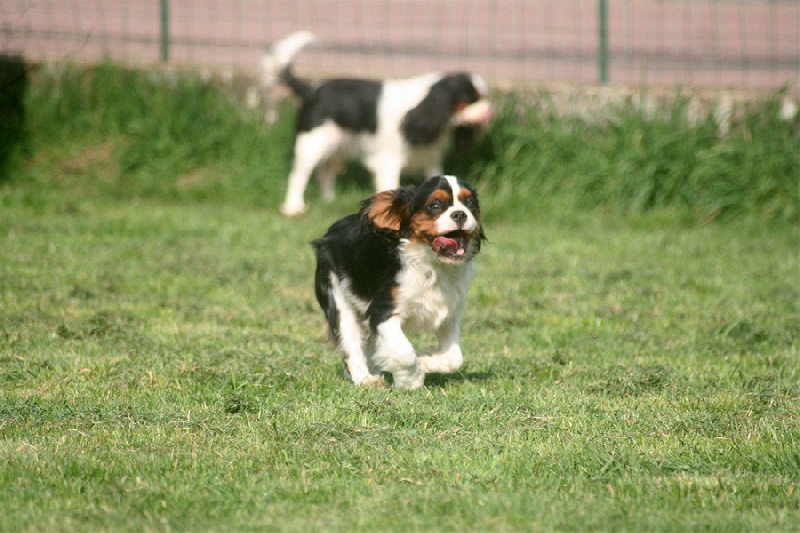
column 277, row 62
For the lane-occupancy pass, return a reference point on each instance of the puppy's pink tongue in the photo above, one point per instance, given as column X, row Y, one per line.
column 445, row 242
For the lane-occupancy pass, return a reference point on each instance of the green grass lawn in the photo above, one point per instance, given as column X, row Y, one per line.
column 164, row 365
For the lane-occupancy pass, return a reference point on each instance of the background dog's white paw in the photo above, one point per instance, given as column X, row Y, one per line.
column 293, row 210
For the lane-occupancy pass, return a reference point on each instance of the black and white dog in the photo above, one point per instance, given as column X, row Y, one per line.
column 404, row 261
column 389, row 125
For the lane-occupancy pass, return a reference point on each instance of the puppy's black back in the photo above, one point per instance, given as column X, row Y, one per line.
column 351, row 104
column 354, row 251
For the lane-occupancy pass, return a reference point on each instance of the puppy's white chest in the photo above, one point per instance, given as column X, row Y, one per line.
column 429, row 294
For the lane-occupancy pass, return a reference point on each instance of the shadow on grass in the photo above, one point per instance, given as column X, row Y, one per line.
column 440, row 380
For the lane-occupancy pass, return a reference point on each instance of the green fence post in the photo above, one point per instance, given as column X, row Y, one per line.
column 603, row 49
column 164, row 31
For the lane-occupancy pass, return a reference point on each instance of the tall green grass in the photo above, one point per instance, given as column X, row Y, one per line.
column 630, row 159
column 170, row 133
column 153, row 134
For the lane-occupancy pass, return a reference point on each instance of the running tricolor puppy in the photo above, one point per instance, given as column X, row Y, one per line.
column 388, row 125
column 404, row 261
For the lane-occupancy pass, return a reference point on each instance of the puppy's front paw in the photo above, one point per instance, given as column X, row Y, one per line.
column 445, row 362
column 409, row 378
column 373, row 381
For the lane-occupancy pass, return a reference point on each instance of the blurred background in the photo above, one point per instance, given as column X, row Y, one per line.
column 741, row 44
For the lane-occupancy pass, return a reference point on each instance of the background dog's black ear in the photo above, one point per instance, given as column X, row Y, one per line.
column 426, row 122
column 386, row 210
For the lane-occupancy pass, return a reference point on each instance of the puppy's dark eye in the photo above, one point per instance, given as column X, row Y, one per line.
column 435, row 207
column 470, row 203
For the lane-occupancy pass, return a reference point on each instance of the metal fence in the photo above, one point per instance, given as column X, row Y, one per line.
column 701, row 43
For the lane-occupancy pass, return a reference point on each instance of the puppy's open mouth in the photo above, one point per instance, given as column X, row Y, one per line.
column 451, row 245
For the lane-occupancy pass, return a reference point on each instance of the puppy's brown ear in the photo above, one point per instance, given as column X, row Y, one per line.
column 386, row 210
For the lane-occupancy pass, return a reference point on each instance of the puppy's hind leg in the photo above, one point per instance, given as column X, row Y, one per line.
column 351, row 342
column 349, row 330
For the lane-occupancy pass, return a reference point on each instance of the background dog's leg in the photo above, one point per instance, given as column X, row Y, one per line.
column 449, row 357
column 327, row 176
column 310, row 149
column 298, row 179
column 433, row 170
column 394, row 353
column 386, row 171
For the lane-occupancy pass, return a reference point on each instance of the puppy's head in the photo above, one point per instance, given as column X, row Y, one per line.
column 442, row 214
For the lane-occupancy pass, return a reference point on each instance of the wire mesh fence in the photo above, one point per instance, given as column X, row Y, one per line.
column 700, row 43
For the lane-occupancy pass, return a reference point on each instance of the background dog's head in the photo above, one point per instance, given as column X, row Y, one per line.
column 442, row 214
column 458, row 100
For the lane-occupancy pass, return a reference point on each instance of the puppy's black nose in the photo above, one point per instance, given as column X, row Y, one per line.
column 459, row 217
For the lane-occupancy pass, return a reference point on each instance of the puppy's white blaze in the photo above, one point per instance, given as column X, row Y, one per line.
column 445, row 222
